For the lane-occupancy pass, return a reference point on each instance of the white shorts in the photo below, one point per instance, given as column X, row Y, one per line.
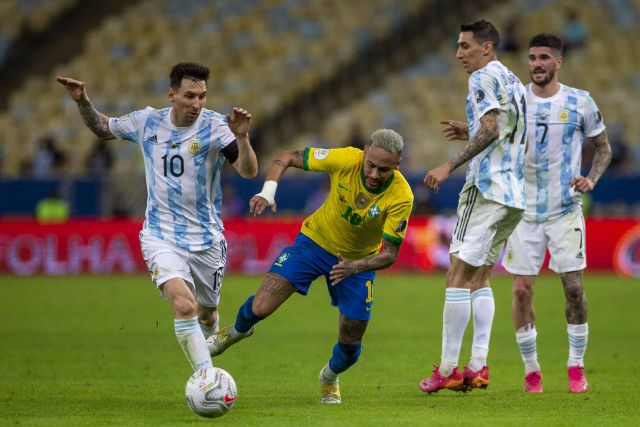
column 203, row 271
column 482, row 227
column 563, row 236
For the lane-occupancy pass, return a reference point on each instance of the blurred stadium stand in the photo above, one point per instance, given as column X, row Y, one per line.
column 310, row 71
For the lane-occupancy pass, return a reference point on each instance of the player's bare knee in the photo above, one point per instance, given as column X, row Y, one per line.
column 184, row 307
column 572, row 283
column 207, row 318
column 522, row 290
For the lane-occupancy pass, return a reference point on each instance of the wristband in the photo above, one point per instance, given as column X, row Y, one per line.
column 269, row 192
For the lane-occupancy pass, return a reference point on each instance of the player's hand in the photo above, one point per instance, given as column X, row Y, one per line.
column 258, row 204
column 75, row 88
column 341, row 270
column 581, row 184
column 434, row 177
column 239, row 121
column 454, row 130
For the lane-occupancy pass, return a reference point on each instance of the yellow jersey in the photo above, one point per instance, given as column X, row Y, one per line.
column 353, row 220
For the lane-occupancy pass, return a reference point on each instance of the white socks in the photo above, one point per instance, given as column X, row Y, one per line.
column 455, row 317
column 484, row 308
column 210, row 330
column 578, row 336
column 192, row 341
column 526, row 339
column 328, row 376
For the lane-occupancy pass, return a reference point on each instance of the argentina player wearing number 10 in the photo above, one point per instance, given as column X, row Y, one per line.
column 369, row 202
column 184, row 147
column 560, row 118
column 491, row 202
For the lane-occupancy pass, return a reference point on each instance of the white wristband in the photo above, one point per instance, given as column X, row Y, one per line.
column 269, row 192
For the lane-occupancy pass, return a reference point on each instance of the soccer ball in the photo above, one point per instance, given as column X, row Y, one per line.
column 211, row 392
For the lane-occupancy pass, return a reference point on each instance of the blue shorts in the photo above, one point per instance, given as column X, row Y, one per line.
column 305, row 261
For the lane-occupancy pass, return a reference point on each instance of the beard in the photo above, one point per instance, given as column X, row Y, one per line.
column 550, row 74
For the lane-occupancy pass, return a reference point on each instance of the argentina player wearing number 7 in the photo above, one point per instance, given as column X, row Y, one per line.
column 559, row 119
column 369, row 203
column 491, row 202
column 184, row 147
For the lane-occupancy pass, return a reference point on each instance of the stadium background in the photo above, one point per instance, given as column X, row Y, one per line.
column 313, row 73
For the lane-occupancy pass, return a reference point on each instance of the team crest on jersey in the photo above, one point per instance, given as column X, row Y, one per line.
column 282, row 258
column 321, row 154
column 563, row 115
column 374, row 211
column 194, row 145
column 362, row 200
column 479, row 96
column 402, row 225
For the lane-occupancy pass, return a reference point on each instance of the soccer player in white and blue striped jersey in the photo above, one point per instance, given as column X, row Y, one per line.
column 559, row 119
column 490, row 206
column 184, row 147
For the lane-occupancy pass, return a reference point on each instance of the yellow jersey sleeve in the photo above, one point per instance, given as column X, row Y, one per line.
column 325, row 160
column 395, row 226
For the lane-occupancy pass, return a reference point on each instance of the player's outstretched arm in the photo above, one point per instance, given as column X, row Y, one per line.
column 239, row 122
column 601, row 160
column 97, row 122
column 488, row 133
column 279, row 164
column 383, row 259
column 455, row 131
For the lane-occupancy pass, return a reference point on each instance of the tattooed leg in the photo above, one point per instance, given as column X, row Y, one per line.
column 351, row 330
column 273, row 291
column 576, row 308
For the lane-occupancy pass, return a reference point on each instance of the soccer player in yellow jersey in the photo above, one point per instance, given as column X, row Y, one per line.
column 369, row 202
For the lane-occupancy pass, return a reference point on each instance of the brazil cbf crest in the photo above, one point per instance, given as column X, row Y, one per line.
column 374, row 211
column 194, row 145
column 282, row 259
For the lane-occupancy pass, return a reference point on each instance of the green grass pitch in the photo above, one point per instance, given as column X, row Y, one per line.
column 101, row 351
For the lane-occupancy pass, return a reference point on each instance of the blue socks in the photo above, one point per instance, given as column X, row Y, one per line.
column 246, row 318
column 344, row 355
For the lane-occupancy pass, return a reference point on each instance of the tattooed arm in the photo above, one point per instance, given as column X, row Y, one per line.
column 601, row 160
column 488, row 133
column 383, row 259
column 97, row 122
column 279, row 164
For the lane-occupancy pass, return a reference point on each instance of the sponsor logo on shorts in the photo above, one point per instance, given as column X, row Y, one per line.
column 282, row 259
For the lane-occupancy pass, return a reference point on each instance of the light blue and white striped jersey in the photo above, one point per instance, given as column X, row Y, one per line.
column 498, row 171
column 182, row 169
column 556, row 129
